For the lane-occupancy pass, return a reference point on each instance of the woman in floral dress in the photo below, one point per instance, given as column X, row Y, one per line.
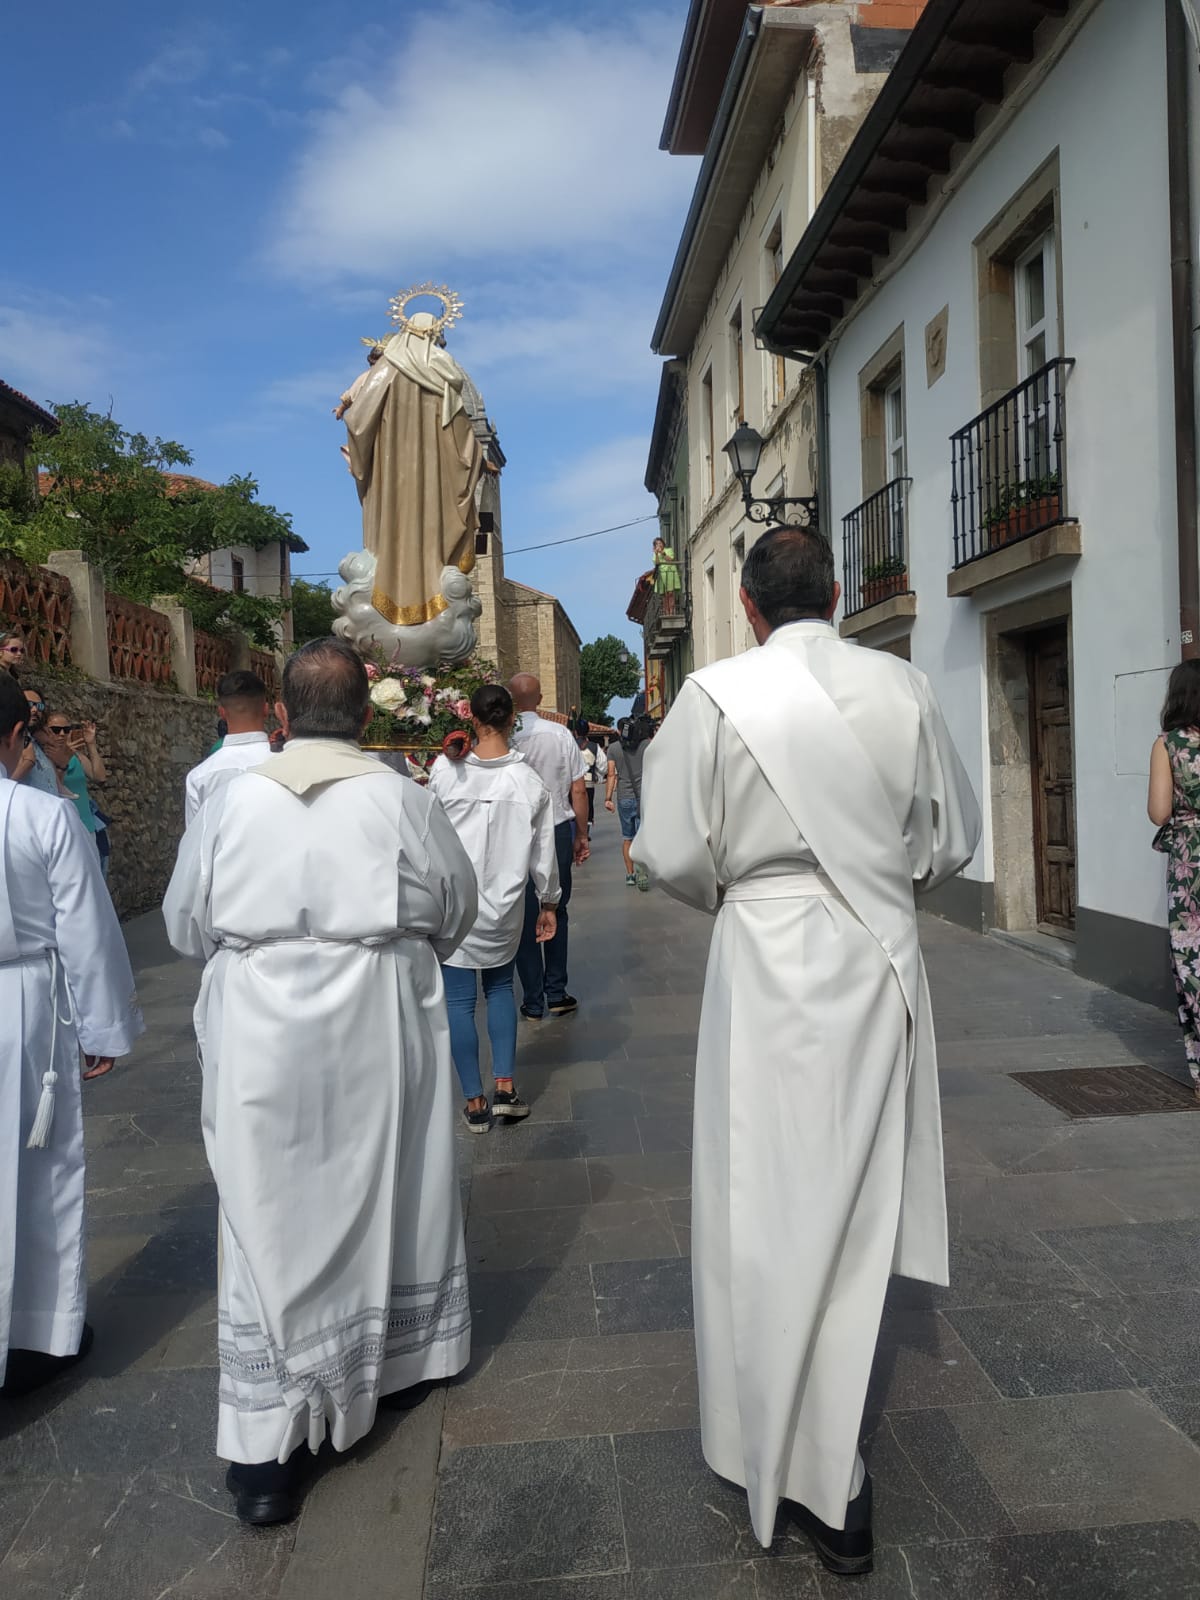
column 667, row 581
column 1174, row 805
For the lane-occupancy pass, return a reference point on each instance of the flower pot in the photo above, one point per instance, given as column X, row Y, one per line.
column 1025, row 519
column 875, row 590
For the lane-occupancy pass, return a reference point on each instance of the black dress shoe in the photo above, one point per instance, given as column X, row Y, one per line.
column 265, row 1492
column 28, row 1370
column 850, row 1551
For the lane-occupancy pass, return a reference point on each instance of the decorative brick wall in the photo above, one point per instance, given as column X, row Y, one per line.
column 39, row 602
column 263, row 662
column 214, row 658
column 139, row 641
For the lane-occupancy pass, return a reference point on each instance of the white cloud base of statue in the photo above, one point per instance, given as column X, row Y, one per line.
column 444, row 640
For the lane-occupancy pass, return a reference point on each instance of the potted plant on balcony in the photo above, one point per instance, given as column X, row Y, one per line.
column 1023, row 508
column 883, row 579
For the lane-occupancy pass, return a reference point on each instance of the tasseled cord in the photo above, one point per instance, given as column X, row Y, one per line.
column 39, row 1134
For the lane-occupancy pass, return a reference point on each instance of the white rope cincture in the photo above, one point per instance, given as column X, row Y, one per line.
column 39, row 1134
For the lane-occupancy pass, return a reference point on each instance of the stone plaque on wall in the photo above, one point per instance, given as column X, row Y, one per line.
column 936, row 333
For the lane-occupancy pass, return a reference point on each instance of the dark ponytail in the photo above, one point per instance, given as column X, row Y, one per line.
column 492, row 705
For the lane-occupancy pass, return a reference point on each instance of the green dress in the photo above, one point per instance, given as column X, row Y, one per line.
column 666, row 572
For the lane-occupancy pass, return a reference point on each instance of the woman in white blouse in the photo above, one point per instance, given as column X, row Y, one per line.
column 502, row 813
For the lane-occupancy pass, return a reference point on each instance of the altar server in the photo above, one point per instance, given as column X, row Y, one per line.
column 65, row 983
column 242, row 707
column 323, row 888
column 802, row 791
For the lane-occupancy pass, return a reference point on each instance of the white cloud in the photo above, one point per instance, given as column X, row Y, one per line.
column 181, row 61
column 315, row 389
column 213, row 139
column 50, row 356
column 529, row 136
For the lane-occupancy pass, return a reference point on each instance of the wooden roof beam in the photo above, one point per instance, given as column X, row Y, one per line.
column 910, row 190
column 867, row 235
column 1016, row 44
column 958, row 125
column 844, row 284
column 846, row 258
column 983, row 84
column 872, row 209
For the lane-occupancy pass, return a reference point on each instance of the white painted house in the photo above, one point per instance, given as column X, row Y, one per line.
column 986, row 293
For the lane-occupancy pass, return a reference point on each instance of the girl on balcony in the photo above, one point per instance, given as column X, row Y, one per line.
column 1174, row 805
column 667, row 581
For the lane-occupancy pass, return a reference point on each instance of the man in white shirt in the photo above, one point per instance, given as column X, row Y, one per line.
column 242, row 706
column 553, row 752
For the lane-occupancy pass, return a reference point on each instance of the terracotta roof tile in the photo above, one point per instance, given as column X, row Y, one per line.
column 46, row 418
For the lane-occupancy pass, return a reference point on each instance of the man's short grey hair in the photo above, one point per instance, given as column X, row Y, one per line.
column 326, row 691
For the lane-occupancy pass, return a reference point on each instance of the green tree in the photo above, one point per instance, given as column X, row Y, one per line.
column 118, row 497
column 605, row 676
column 312, row 610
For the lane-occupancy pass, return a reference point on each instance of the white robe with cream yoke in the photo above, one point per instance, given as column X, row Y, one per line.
column 801, row 792
column 323, row 888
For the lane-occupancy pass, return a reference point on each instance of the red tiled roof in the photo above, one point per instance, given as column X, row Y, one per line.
column 46, row 418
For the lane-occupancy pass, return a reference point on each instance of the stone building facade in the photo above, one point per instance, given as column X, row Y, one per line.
column 771, row 96
column 20, row 417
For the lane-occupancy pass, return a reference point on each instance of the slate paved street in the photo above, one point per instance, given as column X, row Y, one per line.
column 1035, row 1430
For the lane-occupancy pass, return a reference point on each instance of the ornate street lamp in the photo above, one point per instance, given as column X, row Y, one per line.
column 745, row 452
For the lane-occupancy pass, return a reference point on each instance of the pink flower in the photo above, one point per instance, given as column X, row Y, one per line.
column 372, row 670
column 462, row 708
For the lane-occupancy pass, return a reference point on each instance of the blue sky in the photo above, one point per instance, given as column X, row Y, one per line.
column 211, row 211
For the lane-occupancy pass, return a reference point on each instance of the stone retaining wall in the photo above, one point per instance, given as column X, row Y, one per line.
column 149, row 739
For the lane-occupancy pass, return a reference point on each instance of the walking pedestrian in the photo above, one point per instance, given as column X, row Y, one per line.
column 65, row 983
column 552, row 751
column 802, row 791
column 595, row 765
column 323, row 890
column 502, row 814
column 242, row 706
column 625, row 782
column 1174, row 805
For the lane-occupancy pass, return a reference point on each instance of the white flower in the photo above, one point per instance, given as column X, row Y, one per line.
column 387, row 694
column 428, row 682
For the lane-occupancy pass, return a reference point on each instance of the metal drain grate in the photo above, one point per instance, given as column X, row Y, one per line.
column 1109, row 1091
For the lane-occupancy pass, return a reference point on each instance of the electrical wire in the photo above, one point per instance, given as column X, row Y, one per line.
column 521, row 550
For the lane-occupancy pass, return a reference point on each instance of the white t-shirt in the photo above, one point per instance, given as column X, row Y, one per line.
column 501, row 812
column 239, row 752
column 553, row 752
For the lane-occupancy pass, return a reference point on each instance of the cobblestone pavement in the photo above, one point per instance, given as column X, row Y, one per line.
column 1033, row 1430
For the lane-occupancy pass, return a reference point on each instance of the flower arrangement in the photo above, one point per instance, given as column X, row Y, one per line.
column 417, row 708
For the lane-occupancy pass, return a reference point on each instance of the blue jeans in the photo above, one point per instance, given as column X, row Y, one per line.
column 461, row 993
column 631, row 820
column 542, row 968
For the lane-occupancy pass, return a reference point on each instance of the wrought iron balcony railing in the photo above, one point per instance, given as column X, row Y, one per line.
column 666, row 620
column 875, row 548
column 1008, row 466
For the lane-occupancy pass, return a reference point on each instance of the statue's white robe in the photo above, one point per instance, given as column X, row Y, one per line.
column 61, row 951
column 328, row 1103
column 817, row 1165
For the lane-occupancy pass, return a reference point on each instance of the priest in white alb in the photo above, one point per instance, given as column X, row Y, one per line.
column 323, row 889
column 802, row 792
column 65, row 984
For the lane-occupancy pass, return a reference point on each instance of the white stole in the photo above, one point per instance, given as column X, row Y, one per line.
column 826, row 783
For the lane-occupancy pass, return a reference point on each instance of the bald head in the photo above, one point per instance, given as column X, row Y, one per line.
column 326, row 693
column 526, row 691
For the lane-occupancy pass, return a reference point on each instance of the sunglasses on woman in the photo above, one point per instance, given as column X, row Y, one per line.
column 64, row 727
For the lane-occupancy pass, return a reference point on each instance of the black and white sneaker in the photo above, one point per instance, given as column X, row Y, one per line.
column 563, row 1007
column 477, row 1121
column 507, row 1106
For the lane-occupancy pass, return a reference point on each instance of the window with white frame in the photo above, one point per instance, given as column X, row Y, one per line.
column 708, row 437
column 737, row 623
column 1036, row 306
column 737, row 370
column 894, row 451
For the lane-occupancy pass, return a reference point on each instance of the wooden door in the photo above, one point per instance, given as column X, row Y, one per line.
column 1052, row 773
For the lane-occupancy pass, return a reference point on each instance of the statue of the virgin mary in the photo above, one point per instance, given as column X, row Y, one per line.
column 416, row 460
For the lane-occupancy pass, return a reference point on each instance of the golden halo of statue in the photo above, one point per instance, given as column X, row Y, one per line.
column 452, row 309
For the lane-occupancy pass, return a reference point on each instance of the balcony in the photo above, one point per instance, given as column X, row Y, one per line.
column 1009, row 484
column 666, row 622
column 875, row 561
